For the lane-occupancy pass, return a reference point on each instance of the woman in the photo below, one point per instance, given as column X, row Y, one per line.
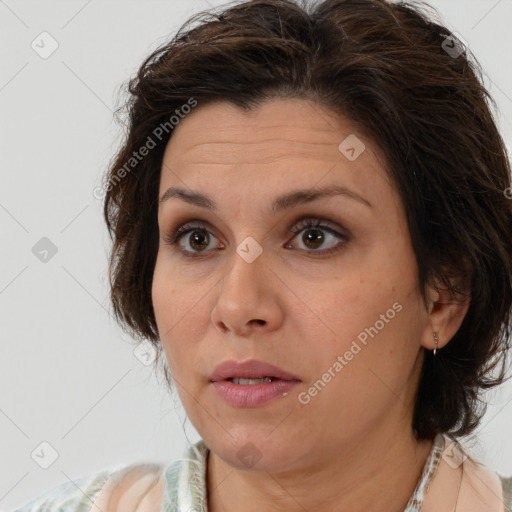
column 311, row 224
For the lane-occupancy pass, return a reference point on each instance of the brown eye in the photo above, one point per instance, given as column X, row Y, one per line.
column 313, row 238
column 192, row 240
column 198, row 239
column 317, row 233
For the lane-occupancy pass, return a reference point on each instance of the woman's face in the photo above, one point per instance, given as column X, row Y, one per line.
column 336, row 305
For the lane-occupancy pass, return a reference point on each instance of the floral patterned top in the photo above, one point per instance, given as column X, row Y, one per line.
column 184, row 485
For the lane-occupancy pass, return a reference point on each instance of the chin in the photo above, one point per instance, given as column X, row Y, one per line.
column 253, row 449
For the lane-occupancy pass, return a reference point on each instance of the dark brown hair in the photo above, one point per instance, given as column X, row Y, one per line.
column 409, row 86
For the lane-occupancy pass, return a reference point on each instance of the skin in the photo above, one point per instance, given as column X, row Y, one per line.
column 295, row 308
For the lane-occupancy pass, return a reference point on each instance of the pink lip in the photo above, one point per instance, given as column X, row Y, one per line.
column 249, row 396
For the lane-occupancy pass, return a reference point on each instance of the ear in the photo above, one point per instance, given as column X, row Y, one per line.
column 446, row 309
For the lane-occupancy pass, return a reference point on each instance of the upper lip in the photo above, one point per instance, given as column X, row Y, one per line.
column 249, row 369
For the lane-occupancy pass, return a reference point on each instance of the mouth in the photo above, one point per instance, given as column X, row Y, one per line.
column 250, row 372
column 251, row 383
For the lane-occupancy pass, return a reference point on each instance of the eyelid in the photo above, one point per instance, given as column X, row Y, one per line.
column 315, row 221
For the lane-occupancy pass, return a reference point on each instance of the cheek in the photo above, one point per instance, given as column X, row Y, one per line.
column 173, row 297
column 170, row 305
column 373, row 317
column 357, row 374
column 163, row 295
column 181, row 315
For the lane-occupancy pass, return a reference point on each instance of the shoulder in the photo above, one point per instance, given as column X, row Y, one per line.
column 76, row 495
column 487, row 487
column 109, row 490
column 461, row 480
column 142, row 487
column 137, row 488
column 506, row 485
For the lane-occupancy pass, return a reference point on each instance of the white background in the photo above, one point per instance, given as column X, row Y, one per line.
column 68, row 374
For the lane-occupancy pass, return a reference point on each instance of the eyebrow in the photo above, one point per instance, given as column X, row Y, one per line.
column 282, row 202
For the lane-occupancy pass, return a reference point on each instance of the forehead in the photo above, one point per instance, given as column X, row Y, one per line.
column 279, row 140
column 283, row 112
column 279, row 126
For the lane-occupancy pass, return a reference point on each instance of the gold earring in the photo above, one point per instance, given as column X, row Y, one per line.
column 435, row 342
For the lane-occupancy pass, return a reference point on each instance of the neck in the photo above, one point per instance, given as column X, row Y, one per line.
column 367, row 476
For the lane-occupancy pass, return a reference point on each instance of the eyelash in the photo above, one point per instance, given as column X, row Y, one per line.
column 172, row 238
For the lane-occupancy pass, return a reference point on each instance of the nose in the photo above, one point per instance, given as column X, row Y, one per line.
column 248, row 298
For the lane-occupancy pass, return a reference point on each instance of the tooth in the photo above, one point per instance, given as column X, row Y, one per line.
column 261, row 380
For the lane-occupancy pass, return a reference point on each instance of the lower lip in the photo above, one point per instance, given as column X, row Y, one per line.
column 252, row 395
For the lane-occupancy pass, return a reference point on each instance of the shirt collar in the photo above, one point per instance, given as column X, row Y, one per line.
column 185, row 479
column 429, row 470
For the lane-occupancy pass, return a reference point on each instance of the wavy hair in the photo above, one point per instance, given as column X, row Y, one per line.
column 414, row 90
